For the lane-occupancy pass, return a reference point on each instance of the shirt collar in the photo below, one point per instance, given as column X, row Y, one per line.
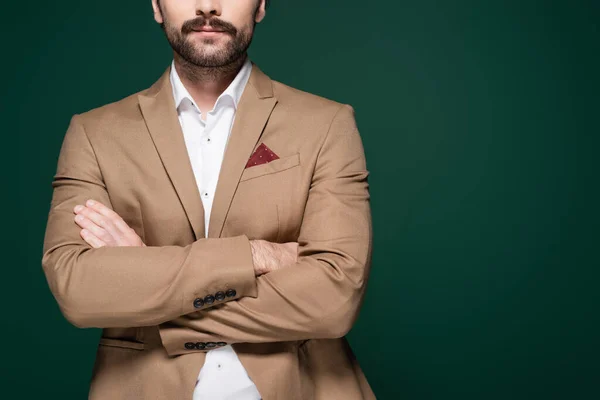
column 234, row 90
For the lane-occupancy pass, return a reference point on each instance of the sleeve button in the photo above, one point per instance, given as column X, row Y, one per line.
column 220, row 296
column 190, row 346
column 211, row 345
column 209, row 299
column 221, row 344
column 200, row 345
column 231, row 293
column 198, row 303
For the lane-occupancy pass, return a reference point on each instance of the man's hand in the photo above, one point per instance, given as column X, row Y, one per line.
column 268, row 256
column 104, row 227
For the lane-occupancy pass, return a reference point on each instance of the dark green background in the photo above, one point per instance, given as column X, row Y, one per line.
column 480, row 124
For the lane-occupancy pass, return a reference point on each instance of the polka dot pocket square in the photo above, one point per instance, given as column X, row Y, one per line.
column 261, row 155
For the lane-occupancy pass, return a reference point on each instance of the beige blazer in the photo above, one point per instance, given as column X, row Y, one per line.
column 163, row 306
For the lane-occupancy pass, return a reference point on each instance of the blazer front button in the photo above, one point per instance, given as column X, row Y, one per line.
column 209, row 299
column 198, row 303
column 231, row 293
column 220, row 296
column 190, row 346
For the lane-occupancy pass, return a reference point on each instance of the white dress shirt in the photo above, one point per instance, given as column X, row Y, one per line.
column 223, row 377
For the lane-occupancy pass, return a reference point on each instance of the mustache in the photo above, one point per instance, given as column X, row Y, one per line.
column 200, row 21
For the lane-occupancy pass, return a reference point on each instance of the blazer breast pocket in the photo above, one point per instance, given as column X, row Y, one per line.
column 281, row 164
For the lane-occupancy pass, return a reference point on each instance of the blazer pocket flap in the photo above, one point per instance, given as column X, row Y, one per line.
column 124, row 344
column 281, row 164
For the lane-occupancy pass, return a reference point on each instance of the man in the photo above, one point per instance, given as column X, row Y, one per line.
column 217, row 226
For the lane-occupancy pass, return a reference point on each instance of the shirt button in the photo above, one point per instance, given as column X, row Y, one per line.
column 205, row 194
column 207, row 140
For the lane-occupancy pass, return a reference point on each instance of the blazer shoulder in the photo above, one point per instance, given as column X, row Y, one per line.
column 120, row 111
column 305, row 103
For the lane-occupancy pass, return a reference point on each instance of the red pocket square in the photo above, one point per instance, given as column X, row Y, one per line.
column 261, row 155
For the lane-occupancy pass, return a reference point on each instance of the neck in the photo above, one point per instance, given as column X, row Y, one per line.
column 205, row 84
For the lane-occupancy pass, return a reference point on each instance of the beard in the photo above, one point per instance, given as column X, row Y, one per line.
column 207, row 53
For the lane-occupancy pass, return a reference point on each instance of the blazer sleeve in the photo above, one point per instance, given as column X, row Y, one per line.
column 320, row 295
column 127, row 286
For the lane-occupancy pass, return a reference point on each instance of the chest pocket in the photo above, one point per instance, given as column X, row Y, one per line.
column 261, row 203
column 281, row 164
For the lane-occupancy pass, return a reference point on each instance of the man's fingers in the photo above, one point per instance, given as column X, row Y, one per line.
column 95, row 217
column 100, row 208
column 106, row 225
column 91, row 239
column 270, row 256
column 99, row 219
column 292, row 250
column 109, row 214
column 91, row 227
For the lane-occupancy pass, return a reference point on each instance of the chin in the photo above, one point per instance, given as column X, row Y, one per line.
column 209, row 53
column 210, row 47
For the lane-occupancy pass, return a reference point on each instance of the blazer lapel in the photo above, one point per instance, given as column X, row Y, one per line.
column 254, row 108
column 159, row 112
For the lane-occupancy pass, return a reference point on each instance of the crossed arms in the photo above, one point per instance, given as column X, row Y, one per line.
column 318, row 296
